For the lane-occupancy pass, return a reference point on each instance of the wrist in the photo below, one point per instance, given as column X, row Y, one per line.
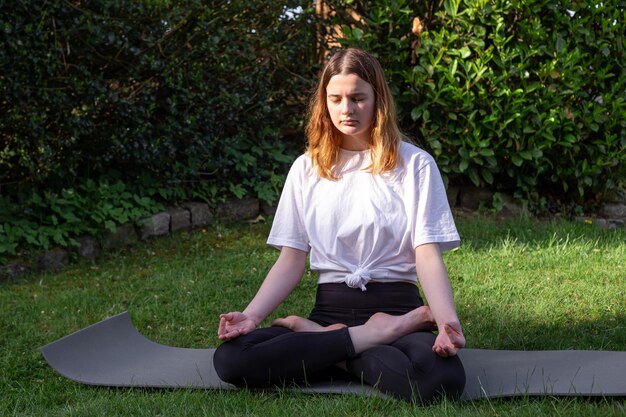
column 256, row 319
column 455, row 324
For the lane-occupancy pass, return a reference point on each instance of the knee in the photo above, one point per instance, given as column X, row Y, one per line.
column 443, row 377
column 451, row 377
column 447, row 379
column 227, row 363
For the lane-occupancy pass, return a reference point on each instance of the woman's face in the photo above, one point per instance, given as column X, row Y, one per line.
column 351, row 104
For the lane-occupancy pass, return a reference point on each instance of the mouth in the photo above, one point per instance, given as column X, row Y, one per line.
column 349, row 122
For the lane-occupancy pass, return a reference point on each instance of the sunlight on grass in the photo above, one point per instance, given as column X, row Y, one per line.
column 518, row 285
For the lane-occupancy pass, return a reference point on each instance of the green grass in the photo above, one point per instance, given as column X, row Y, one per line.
column 518, row 285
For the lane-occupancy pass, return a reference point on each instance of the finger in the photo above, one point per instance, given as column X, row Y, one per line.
column 236, row 333
column 224, row 324
column 440, row 352
column 226, row 336
column 446, row 350
column 221, row 327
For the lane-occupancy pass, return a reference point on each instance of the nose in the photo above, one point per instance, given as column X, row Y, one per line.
column 346, row 107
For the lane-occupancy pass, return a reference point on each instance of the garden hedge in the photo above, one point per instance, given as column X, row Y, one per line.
column 111, row 109
column 522, row 96
column 141, row 103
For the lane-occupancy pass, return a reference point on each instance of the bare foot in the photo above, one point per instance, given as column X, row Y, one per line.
column 394, row 327
column 382, row 328
column 300, row 324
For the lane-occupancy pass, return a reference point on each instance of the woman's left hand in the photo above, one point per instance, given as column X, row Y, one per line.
column 449, row 340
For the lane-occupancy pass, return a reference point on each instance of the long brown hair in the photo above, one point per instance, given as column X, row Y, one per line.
column 324, row 139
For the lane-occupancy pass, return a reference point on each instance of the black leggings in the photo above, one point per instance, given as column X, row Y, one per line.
column 406, row 368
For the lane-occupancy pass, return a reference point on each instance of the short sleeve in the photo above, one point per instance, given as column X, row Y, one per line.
column 288, row 227
column 432, row 215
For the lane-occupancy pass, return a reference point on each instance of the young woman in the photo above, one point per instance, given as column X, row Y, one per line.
column 371, row 210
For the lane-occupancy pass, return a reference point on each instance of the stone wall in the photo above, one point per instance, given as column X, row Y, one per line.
column 194, row 215
column 191, row 215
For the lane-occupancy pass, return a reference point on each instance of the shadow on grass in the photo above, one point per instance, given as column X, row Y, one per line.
column 507, row 331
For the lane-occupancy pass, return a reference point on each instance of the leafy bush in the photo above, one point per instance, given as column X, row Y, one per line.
column 524, row 96
column 176, row 90
column 195, row 95
column 57, row 219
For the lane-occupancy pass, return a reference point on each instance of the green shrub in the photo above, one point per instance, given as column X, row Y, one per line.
column 194, row 95
column 176, row 90
column 523, row 96
column 36, row 220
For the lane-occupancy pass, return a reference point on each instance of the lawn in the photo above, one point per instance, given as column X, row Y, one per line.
column 519, row 284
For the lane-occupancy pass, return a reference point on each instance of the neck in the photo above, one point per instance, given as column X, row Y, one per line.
column 352, row 143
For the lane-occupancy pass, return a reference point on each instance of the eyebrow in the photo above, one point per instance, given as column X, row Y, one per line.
column 358, row 93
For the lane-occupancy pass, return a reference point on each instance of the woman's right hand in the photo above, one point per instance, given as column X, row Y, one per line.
column 234, row 324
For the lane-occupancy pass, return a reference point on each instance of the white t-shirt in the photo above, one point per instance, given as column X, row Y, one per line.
column 364, row 227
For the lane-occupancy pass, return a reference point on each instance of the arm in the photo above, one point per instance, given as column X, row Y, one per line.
column 434, row 281
column 278, row 284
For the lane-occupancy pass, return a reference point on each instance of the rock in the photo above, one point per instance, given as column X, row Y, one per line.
column 453, row 195
column 614, row 210
column 200, row 215
column 512, row 208
column 124, row 235
column 269, row 209
column 53, row 260
column 12, row 271
column 472, row 197
column 88, row 247
column 156, row 225
column 238, row 209
column 616, row 196
column 601, row 223
column 180, row 219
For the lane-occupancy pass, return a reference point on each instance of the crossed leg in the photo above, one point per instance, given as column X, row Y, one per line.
column 406, row 366
column 278, row 354
column 409, row 369
column 380, row 329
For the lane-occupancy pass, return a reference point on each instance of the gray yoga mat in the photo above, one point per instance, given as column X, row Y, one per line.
column 114, row 353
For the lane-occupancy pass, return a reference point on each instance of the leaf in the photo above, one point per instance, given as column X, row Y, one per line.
column 453, row 68
column 487, row 176
column 559, row 44
column 451, row 7
column 473, row 175
column 526, row 155
column 110, row 226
